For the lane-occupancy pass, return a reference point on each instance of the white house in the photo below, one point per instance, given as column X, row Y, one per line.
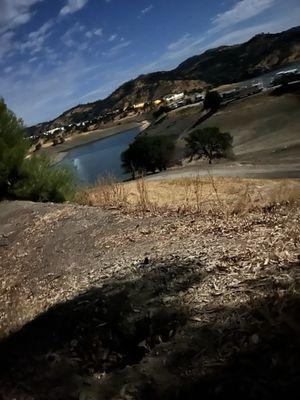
column 288, row 72
column 174, row 97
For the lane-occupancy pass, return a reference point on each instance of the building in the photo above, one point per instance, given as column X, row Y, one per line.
column 240, row 92
column 229, row 94
column 286, row 77
column 174, row 97
column 54, row 131
column 288, row 72
column 138, row 106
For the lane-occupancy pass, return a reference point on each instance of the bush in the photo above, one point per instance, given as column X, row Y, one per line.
column 28, row 178
column 44, row 182
column 212, row 101
column 148, row 154
column 209, row 142
column 38, row 146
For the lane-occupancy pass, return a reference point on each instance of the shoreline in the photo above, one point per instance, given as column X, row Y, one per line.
column 59, row 152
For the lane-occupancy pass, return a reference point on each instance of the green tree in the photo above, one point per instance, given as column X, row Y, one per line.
column 212, row 101
column 13, row 149
column 28, row 177
column 148, row 154
column 209, row 142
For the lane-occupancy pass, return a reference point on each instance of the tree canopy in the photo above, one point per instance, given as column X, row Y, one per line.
column 208, row 142
column 148, row 154
column 212, row 101
column 25, row 176
column 13, row 149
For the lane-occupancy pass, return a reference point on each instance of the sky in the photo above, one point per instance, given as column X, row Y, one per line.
column 55, row 54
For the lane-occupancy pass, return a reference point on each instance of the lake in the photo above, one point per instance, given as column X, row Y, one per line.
column 99, row 158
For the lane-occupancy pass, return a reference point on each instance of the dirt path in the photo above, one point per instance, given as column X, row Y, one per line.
column 147, row 306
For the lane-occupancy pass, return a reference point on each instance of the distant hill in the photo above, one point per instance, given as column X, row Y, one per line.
column 225, row 64
column 228, row 64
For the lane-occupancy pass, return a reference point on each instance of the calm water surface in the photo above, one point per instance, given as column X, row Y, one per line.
column 93, row 160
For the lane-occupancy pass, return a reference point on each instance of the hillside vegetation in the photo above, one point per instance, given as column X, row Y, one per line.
column 24, row 176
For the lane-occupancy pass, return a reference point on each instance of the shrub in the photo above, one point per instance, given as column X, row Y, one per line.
column 44, row 182
column 22, row 177
column 209, row 142
column 160, row 111
column 148, row 154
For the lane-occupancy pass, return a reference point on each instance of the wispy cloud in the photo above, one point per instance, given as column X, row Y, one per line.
column 177, row 51
column 72, row 6
column 6, row 44
column 51, row 91
column 36, row 39
column 241, row 11
column 243, row 34
column 15, row 12
column 95, row 32
column 112, row 37
column 32, row 43
column 188, row 45
column 69, row 37
column 115, row 50
column 146, row 10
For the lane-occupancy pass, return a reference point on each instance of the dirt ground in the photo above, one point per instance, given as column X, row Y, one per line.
column 265, row 128
column 104, row 304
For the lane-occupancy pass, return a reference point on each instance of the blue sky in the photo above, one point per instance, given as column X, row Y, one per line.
column 55, row 54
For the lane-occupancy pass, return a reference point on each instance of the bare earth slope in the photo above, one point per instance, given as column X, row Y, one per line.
column 171, row 305
column 264, row 127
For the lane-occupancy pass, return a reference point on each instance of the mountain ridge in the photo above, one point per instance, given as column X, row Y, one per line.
column 263, row 53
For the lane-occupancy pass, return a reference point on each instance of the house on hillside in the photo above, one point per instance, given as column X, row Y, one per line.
column 139, row 106
column 174, row 97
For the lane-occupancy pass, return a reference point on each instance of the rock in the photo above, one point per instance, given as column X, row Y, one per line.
column 254, row 339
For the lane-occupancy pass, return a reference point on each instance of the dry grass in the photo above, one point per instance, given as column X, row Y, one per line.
column 224, row 196
column 107, row 192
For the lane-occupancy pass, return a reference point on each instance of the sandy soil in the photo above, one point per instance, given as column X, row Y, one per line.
column 147, row 306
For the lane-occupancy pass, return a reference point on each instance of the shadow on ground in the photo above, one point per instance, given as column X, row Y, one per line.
column 137, row 339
